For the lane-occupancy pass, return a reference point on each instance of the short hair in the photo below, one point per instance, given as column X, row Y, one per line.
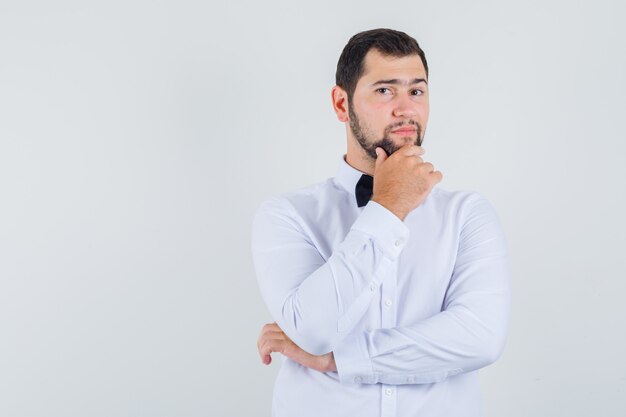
column 387, row 41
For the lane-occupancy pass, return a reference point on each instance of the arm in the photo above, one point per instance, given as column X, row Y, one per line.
column 469, row 333
column 317, row 302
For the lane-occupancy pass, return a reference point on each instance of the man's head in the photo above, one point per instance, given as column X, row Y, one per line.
column 381, row 92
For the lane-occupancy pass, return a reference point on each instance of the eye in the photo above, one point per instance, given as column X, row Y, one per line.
column 383, row 90
column 417, row 92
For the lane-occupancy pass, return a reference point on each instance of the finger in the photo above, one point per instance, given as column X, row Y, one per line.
column 272, row 346
column 381, row 156
column 427, row 167
column 266, row 349
column 276, row 340
column 266, row 358
column 412, row 150
column 265, row 354
column 264, row 330
column 271, row 327
column 270, row 336
column 417, row 160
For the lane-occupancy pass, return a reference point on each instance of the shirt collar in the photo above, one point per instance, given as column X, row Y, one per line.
column 347, row 176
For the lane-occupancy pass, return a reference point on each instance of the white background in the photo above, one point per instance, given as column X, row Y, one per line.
column 138, row 138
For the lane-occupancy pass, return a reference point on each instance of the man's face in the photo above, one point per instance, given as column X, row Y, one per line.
column 389, row 107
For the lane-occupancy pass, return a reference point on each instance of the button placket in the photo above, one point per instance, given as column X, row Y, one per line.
column 388, row 320
column 388, row 295
column 388, row 405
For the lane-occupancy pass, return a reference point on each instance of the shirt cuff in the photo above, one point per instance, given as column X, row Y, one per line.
column 389, row 232
column 352, row 360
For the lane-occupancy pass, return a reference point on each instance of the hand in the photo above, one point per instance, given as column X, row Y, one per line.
column 403, row 180
column 273, row 339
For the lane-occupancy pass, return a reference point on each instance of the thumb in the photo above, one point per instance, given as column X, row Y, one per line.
column 381, row 156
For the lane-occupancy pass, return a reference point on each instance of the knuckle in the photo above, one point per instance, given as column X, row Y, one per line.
column 414, row 162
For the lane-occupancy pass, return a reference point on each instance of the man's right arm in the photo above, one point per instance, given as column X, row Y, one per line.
column 317, row 302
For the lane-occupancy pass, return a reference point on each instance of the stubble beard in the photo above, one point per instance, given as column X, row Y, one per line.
column 364, row 135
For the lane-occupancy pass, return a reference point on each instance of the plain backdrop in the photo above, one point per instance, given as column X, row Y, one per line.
column 137, row 139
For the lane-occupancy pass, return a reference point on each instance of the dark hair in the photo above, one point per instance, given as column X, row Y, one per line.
column 387, row 41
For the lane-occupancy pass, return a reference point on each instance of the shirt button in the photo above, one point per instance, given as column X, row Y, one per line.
column 399, row 242
column 388, row 302
column 372, row 287
column 388, row 391
column 357, row 379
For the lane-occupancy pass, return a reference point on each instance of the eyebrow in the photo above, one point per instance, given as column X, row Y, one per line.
column 396, row 81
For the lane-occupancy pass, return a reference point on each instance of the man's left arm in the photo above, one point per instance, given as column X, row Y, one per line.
column 470, row 331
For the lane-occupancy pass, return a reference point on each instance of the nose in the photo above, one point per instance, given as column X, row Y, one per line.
column 404, row 107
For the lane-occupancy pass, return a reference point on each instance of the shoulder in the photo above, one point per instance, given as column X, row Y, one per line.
column 292, row 205
column 461, row 199
column 310, row 199
column 463, row 205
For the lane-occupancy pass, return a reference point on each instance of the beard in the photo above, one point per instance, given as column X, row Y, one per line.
column 366, row 139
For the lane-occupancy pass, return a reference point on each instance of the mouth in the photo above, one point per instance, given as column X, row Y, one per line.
column 405, row 131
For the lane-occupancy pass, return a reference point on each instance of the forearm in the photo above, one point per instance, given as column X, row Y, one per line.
column 451, row 342
column 318, row 302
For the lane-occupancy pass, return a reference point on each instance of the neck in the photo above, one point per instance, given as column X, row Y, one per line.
column 358, row 159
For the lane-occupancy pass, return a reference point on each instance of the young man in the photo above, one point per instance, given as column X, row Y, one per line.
column 388, row 293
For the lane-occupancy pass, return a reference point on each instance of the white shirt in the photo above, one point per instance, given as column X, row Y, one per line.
column 411, row 310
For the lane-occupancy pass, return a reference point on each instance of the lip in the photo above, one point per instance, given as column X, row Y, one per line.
column 404, row 130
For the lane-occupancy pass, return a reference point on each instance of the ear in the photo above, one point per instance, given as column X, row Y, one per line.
column 340, row 103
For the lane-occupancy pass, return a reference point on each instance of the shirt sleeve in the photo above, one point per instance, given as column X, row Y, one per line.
column 470, row 331
column 318, row 301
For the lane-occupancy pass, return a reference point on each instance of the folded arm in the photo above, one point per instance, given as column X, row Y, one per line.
column 470, row 331
column 317, row 301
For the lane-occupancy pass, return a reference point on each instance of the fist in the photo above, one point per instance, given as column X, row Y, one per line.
column 403, row 180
